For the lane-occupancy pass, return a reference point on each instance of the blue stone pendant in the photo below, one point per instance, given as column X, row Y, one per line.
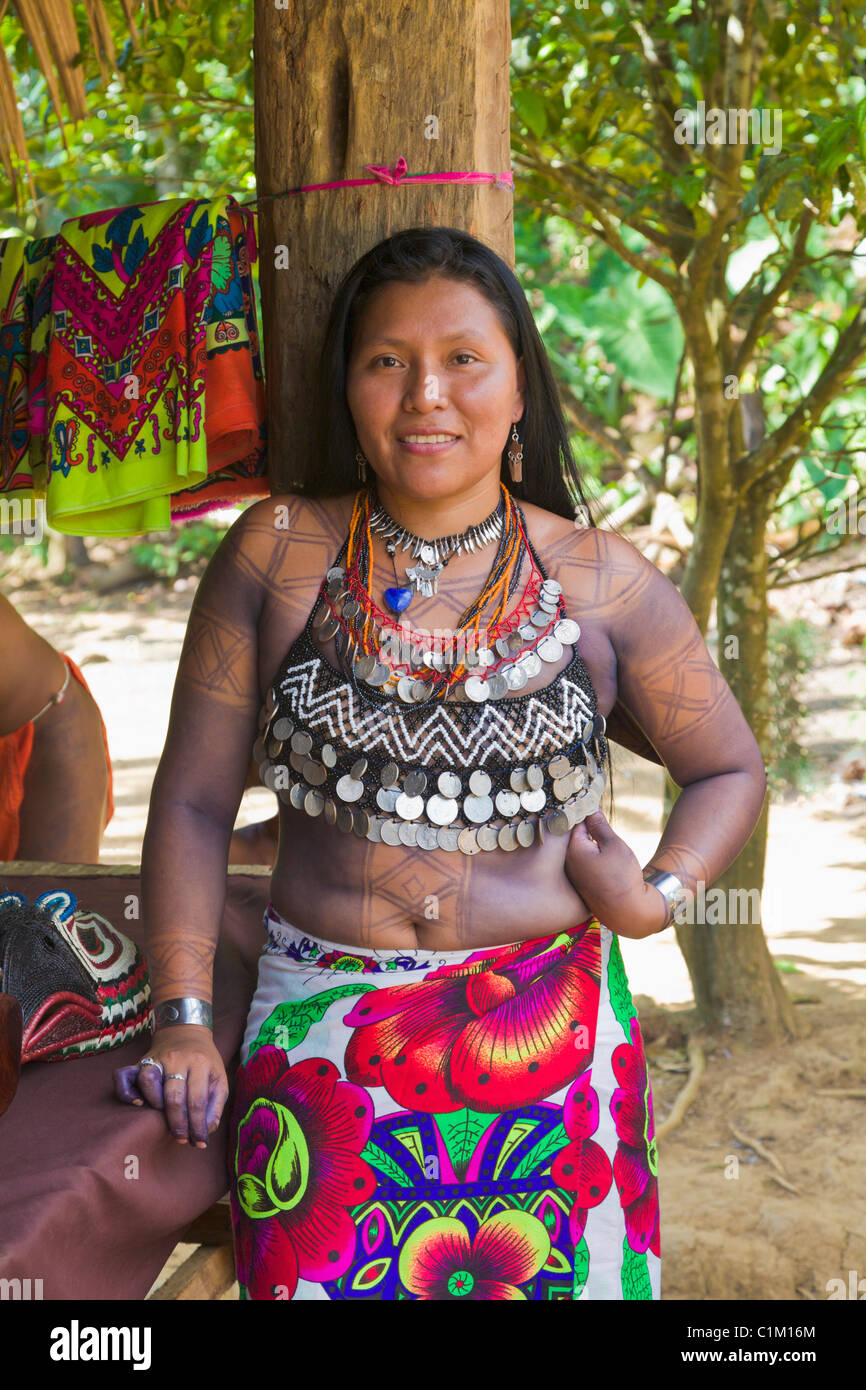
column 398, row 599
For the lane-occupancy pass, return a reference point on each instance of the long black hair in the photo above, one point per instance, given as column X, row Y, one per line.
column 551, row 478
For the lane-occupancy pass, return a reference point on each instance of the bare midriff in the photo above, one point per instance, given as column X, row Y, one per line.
column 343, row 888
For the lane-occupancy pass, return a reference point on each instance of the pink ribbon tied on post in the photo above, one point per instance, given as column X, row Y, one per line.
column 398, row 175
column 381, row 171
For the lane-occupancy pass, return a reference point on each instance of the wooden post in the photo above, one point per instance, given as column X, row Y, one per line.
column 344, row 83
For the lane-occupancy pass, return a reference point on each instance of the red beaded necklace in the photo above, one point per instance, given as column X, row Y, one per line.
column 496, row 590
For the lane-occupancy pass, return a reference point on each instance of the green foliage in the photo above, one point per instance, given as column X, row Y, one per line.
column 791, row 650
column 585, row 96
column 187, row 544
column 636, row 325
column 597, row 93
column 176, row 118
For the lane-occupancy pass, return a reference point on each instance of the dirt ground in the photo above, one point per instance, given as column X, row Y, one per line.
column 779, row 1222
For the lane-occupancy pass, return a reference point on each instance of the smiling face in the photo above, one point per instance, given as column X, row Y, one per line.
column 432, row 359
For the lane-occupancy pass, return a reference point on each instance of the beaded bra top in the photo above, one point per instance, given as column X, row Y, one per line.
column 465, row 774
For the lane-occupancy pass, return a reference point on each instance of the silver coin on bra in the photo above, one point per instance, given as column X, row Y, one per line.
column 477, row 808
column 567, row 631
column 349, row 789
column 448, row 837
column 449, row 784
column 442, row 810
column 390, row 832
column 487, row 836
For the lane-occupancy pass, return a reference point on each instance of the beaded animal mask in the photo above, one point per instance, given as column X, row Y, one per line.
column 82, row 985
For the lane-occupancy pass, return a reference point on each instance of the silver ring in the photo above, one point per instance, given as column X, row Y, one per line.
column 152, row 1062
column 174, row 1076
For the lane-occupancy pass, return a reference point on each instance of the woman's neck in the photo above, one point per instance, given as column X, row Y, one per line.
column 431, row 518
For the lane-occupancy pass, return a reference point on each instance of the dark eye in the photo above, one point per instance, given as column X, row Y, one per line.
column 465, row 354
column 50, row 943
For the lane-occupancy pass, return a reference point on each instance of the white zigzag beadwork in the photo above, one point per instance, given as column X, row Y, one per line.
column 465, row 735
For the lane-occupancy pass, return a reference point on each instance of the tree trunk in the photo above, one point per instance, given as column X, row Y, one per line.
column 345, row 83
column 735, row 982
column 716, row 497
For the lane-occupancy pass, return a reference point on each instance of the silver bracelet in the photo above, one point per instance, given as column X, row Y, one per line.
column 186, row 1010
column 672, row 890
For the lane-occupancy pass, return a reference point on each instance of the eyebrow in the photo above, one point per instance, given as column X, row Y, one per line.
column 446, row 338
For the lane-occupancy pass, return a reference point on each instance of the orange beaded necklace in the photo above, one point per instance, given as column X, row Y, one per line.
column 370, row 622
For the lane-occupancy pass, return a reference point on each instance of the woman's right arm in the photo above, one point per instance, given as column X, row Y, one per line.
column 196, row 793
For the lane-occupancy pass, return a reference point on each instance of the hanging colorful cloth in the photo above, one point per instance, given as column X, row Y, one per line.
column 144, row 386
column 13, row 360
column 26, row 281
column 234, row 380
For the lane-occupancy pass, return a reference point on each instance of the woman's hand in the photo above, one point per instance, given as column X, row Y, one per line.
column 606, row 874
column 194, row 1098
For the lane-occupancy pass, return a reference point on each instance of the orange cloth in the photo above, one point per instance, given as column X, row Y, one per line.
column 15, row 751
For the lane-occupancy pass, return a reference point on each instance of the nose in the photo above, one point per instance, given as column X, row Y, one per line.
column 424, row 389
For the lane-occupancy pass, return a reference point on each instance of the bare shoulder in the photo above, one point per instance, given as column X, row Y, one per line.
column 601, row 572
column 287, row 533
column 290, row 512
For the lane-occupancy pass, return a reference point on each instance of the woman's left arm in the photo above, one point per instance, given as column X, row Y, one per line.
column 671, row 686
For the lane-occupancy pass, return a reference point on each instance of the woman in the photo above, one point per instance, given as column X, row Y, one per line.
column 443, row 1091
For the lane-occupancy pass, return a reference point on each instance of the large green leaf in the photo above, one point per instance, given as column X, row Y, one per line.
column 531, row 108
column 174, row 59
column 640, row 332
column 569, row 301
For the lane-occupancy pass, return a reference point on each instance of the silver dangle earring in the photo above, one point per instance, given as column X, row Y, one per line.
column 362, row 466
column 515, row 456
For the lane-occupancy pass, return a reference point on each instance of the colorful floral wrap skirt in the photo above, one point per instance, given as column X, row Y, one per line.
column 429, row 1124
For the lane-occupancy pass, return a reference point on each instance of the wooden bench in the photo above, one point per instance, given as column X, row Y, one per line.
column 209, row 1272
